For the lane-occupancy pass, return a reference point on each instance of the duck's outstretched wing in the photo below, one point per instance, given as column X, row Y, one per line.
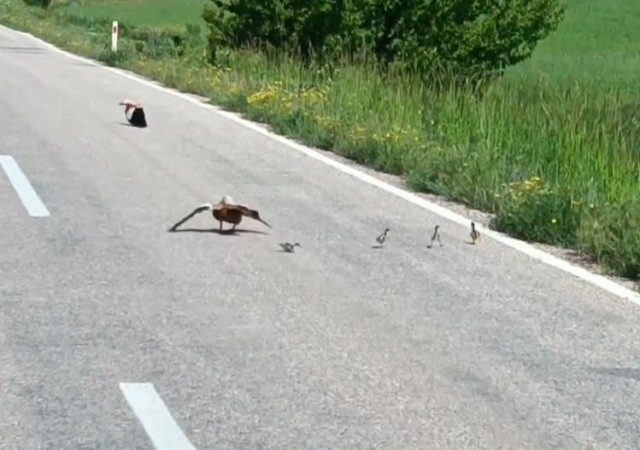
column 198, row 210
column 254, row 214
column 128, row 104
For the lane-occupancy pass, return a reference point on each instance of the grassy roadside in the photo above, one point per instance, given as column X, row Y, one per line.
column 556, row 158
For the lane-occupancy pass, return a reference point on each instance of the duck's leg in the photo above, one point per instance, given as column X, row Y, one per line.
column 220, row 225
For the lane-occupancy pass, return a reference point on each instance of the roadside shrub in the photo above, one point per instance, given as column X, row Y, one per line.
column 40, row 3
column 466, row 39
column 461, row 38
column 310, row 29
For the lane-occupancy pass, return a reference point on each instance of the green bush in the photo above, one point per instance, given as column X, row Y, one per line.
column 466, row 38
column 41, row 3
column 462, row 38
column 307, row 27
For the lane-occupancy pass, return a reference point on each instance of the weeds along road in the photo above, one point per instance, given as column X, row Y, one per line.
column 335, row 346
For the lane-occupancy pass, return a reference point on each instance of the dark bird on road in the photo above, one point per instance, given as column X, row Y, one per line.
column 137, row 118
column 383, row 237
column 474, row 233
column 288, row 247
column 435, row 237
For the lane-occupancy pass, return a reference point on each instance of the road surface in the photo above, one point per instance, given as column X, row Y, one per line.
column 335, row 346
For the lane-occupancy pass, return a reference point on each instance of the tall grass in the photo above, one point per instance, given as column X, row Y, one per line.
column 556, row 160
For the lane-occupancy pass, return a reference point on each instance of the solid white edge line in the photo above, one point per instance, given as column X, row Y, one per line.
column 23, row 188
column 154, row 416
column 523, row 247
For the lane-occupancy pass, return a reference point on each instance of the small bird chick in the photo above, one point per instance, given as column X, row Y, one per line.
column 435, row 237
column 288, row 247
column 474, row 233
column 383, row 237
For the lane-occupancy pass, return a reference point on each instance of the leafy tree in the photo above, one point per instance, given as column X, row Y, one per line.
column 308, row 27
column 464, row 38
column 468, row 38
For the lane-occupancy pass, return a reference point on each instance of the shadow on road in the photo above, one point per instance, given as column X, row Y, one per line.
column 215, row 231
column 622, row 372
column 23, row 50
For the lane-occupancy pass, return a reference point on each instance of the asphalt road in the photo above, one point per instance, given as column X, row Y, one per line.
column 335, row 346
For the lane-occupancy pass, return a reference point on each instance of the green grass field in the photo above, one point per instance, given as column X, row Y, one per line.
column 142, row 12
column 553, row 150
column 595, row 43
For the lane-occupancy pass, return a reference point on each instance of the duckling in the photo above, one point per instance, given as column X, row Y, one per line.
column 137, row 118
column 224, row 211
column 474, row 233
column 288, row 247
column 435, row 237
column 383, row 237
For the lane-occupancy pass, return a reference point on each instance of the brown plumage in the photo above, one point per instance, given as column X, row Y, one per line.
column 224, row 211
column 137, row 118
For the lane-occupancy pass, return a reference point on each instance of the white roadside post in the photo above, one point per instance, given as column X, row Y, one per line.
column 114, row 36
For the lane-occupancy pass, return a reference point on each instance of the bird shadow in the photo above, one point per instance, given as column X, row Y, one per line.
column 126, row 124
column 24, row 50
column 377, row 246
column 469, row 243
column 622, row 372
column 228, row 232
column 86, row 64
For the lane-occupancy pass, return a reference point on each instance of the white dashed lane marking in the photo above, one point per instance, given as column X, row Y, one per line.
column 162, row 429
column 23, row 188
